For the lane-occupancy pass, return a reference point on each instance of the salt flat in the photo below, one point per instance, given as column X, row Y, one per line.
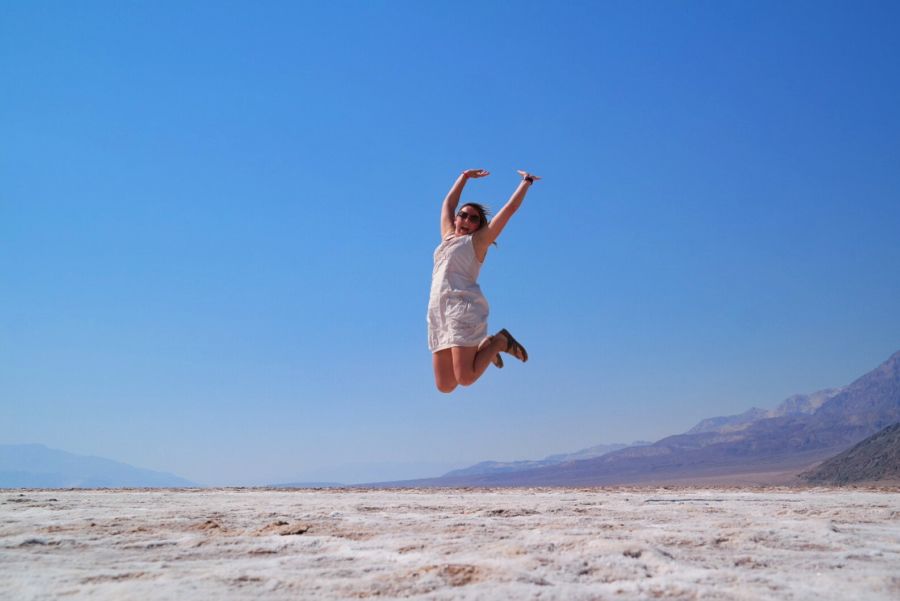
column 610, row 543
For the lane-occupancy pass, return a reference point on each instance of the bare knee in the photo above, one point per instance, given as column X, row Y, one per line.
column 446, row 387
column 466, row 378
column 446, row 383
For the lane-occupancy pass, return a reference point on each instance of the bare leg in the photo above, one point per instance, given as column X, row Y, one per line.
column 444, row 378
column 469, row 362
column 497, row 360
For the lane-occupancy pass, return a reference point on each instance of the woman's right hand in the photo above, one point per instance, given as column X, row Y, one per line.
column 474, row 173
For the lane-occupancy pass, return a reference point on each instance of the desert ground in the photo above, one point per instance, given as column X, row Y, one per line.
column 604, row 543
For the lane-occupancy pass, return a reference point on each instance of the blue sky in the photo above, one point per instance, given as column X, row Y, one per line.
column 217, row 222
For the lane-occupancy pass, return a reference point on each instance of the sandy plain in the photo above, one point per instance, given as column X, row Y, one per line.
column 606, row 543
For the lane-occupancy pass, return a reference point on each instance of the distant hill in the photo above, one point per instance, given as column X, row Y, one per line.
column 798, row 404
column 36, row 466
column 307, row 485
column 501, row 467
column 765, row 450
column 875, row 459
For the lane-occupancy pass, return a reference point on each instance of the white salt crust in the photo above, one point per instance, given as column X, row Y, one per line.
column 572, row 544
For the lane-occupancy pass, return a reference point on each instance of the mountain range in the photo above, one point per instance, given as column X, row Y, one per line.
column 757, row 446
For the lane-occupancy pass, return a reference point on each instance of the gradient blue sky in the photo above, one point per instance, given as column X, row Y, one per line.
column 217, row 222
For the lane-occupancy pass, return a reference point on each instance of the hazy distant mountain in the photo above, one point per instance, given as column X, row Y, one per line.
column 781, row 445
column 595, row 451
column 36, row 466
column 359, row 472
column 729, row 423
column 503, row 467
column 798, row 404
column 875, row 459
column 308, row 485
column 805, row 403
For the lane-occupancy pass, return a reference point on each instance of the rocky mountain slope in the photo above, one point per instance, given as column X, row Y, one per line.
column 875, row 459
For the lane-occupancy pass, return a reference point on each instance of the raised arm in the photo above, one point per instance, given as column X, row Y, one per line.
column 448, row 209
column 484, row 237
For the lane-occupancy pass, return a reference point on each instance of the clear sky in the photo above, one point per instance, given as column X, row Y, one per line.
column 217, row 222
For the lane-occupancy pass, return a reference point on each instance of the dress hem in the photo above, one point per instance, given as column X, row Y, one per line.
column 444, row 347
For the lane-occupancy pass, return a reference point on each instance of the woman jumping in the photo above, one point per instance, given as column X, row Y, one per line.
column 457, row 310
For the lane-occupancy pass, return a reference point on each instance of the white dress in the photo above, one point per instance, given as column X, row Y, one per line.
column 457, row 310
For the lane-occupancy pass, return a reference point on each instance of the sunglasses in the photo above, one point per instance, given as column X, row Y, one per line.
column 471, row 217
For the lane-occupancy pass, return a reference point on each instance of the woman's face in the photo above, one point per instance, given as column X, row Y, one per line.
column 467, row 221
